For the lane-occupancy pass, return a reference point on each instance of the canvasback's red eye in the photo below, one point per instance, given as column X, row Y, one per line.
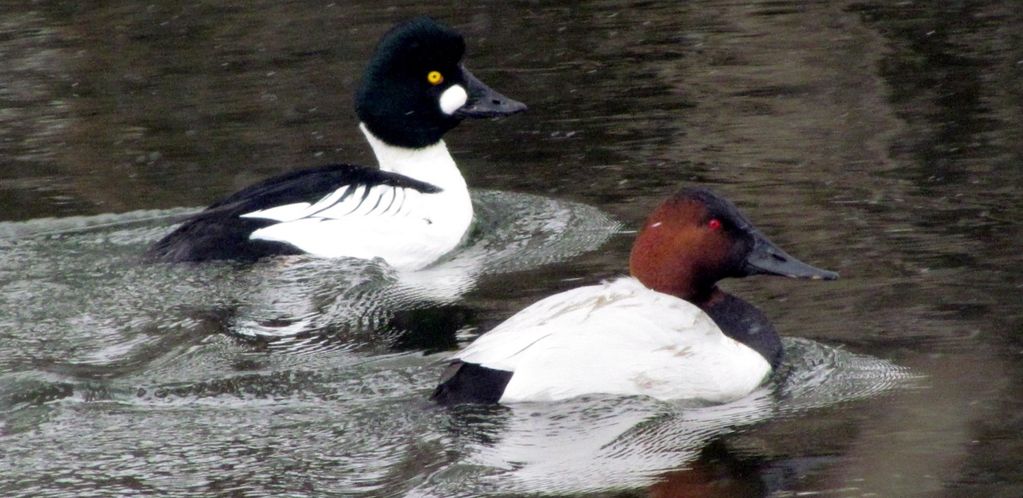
column 714, row 224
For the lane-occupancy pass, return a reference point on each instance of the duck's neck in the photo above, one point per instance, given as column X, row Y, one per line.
column 677, row 281
column 745, row 323
column 432, row 164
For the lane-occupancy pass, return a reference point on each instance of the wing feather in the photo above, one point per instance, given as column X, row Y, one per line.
column 225, row 229
column 617, row 338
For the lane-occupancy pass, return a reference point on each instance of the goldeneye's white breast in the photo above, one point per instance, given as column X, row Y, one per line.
column 618, row 337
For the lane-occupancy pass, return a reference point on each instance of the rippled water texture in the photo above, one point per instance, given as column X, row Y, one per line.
column 883, row 140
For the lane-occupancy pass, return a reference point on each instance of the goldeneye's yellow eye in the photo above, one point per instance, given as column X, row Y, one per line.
column 434, row 77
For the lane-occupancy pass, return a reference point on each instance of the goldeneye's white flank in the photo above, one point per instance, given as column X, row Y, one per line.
column 410, row 211
column 667, row 331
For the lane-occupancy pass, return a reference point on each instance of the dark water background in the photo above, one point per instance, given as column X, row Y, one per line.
column 883, row 140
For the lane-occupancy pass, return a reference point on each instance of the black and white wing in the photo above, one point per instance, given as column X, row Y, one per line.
column 321, row 211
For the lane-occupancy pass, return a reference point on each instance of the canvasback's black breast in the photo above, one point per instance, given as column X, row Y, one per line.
column 745, row 323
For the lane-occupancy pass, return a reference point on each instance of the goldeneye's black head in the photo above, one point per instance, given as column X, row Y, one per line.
column 415, row 88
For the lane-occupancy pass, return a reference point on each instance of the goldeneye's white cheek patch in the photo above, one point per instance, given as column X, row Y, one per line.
column 453, row 99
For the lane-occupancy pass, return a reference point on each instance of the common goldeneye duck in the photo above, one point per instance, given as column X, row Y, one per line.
column 410, row 211
column 667, row 331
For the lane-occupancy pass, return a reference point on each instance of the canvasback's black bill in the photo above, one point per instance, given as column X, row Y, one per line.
column 768, row 259
column 485, row 102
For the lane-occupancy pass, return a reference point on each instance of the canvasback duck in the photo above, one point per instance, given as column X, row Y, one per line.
column 411, row 211
column 667, row 331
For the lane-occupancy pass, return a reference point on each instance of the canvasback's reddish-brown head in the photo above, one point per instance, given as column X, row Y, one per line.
column 696, row 237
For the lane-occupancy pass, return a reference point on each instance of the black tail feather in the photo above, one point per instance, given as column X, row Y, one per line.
column 470, row 383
